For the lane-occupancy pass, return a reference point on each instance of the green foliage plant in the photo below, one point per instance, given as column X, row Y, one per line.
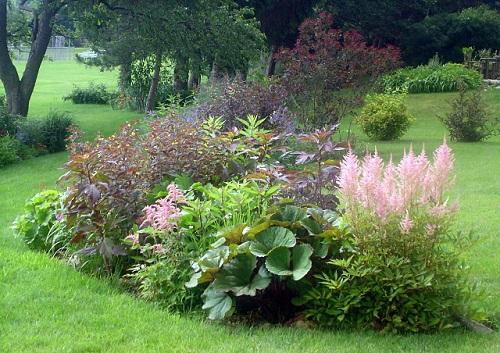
column 431, row 78
column 261, row 264
column 385, row 117
column 9, row 148
column 93, row 94
column 469, row 119
column 42, row 224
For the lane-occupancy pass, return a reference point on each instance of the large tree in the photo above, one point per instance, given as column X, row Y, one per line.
column 195, row 35
column 41, row 17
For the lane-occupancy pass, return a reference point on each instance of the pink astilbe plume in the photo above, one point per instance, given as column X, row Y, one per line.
column 164, row 214
column 372, row 170
column 348, row 179
column 406, row 224
column 396, row 192
column 440, row 172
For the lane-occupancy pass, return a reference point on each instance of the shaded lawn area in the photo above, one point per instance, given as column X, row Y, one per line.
column 45, row 306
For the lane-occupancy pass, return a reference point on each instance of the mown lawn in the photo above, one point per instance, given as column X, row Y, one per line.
column 45, row 306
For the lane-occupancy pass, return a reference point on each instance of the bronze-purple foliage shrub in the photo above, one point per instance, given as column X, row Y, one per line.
column 235, row 98
column 108, row 179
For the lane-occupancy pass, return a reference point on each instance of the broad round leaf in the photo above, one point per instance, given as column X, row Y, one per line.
column 301, row 260
column 278, row 262
column 270, row 239
column 298, row 264
column 217, row 303
column 311, row 226
column 292, row 214
column 238, row 276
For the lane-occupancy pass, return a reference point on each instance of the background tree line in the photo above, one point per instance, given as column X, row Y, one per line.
column 218, row 37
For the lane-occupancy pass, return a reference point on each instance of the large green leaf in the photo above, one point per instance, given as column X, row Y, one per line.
column 311, row 225
column 218, row 303
column 214, row 258
column 292, row 214
column 238, row 276
column 279, row 261
column 208, row 265
column 270, row 239
column 301, row 260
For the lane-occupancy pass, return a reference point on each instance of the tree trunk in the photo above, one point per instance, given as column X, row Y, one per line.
column 153, row 88
column 181, row 74
column 271, row 62
column 19, row 91
column 125, row 74
column 195, row 73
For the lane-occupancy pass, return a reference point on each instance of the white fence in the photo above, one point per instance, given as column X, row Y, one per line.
column 60, row 53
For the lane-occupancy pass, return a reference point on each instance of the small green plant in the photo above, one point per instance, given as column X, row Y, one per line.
column 469, row 119
column 9, row 148
column 55, row 131
column 8, row 123
column 209, row 209
column 385, row 117
column 213, row 126
column 93, row 94
column 41, row 226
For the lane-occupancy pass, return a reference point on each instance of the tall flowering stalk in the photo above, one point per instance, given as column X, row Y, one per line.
column 164, row 214
column 160, row 222
column 377, row 196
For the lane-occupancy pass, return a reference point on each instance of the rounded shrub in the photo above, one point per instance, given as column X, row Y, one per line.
column 385, row 117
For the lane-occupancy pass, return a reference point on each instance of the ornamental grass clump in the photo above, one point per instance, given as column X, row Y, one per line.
column 404, row 273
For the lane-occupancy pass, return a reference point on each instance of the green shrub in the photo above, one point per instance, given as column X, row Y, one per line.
column 385, row 117
column 55, row 130
column 93, row 94
column 427, row 79
column 3, row 103
column 45, row 135
column 8, row 123
column 41, row 226
column 469, row 119
column 9, row 147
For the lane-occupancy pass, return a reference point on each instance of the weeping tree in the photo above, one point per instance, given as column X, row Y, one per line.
column 31, row 23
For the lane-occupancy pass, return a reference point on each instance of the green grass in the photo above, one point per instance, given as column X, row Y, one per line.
column 45, row 306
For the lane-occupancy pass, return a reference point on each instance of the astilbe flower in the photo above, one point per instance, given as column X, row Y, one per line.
column 397, row 191
column 164, row 214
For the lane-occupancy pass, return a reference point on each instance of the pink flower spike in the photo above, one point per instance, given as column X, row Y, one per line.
column 349, row 175
column 133, row 238
column 174, row 193
column 406, row 224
